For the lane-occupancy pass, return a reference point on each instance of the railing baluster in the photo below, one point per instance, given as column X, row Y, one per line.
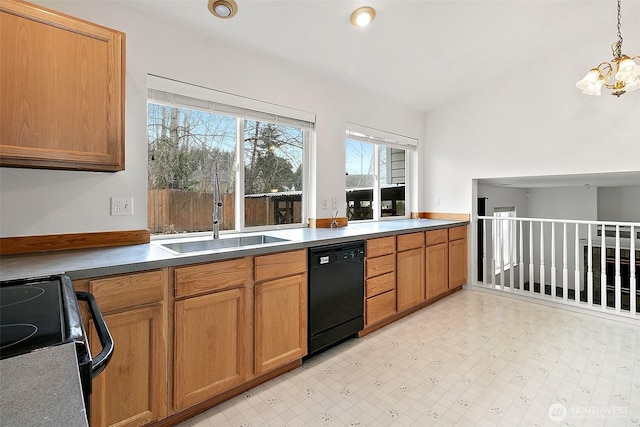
column 494, row 233
column 531, row 275
column 603, row 269
column 617, row 277
column 589, row 269
column 501, row 242
column 632, row 273
column 484, row 252
column 565, row 270
column 512, row 258
column 542, row 284
column 553, row 260
column 521, row 270
column 577, row 281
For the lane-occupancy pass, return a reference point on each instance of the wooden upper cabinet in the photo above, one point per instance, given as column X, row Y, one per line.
column 63, row 91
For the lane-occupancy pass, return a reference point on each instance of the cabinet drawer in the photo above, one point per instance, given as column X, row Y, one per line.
column 381, row 246
column 116, row 293
column 456, row 233
column 410, row 241
column 436, row 236
column 380, row 307
column 202, row 278
column 381, row 265
column 380, row 284
column 280, row 265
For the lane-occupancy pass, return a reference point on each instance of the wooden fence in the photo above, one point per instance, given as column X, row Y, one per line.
column 175, row 211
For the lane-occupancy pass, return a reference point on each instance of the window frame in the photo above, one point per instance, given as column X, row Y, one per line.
column 172, row 93
column 379, row 140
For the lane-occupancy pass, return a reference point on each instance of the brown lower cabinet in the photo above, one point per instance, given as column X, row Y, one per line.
column 212, row 330
column 408, row 271
column 211, row 335
column 380, row 285
column 132, row 390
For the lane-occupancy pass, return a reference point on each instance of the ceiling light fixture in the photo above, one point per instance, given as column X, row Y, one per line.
column 363, row 16
column 627, row 75
column 224, row 9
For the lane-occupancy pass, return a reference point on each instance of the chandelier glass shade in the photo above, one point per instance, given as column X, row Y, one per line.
column 621, row 75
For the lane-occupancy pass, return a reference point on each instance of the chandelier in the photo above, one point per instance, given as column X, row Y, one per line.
column 627, row 72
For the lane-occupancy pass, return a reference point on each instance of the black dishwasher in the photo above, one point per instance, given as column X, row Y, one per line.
column 336, row 294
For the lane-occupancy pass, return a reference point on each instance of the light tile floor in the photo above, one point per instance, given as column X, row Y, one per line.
column 470, row 359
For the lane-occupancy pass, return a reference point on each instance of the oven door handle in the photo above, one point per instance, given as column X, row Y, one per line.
column 100, row 361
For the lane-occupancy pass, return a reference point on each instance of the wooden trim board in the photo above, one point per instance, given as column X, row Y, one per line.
column 62, row 242
column 442, row 215
column 326, row 222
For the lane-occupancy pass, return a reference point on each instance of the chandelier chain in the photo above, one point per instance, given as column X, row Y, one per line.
column 617, row 49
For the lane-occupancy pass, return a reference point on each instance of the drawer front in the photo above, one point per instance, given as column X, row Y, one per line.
column 380, row 284
column 436, row 236
column 131, row 290
column 214, row 276
column 456, row 233
column 280, row 265
column 410, row 241
column 381, row 246
column 381, row 265
column 380, row 307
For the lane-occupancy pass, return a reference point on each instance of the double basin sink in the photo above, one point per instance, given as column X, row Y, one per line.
column 190, row 246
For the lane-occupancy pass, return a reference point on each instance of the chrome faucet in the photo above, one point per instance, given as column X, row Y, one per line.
column 217, row 208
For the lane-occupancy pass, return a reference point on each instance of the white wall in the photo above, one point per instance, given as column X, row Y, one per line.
column 530, row 123
column 619, row 203
column 38, row 202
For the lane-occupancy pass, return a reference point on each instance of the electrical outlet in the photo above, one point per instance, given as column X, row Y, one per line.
column 438, row 201
column 121, row 206
column 324, row 204
column 334, row 203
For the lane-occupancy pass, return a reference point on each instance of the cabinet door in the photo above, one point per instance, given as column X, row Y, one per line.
column 457, row 263
column 410, row 278
column 436, row 269
column 68, row 110
column 280, row 322
column 132, row 390
column 210, row 341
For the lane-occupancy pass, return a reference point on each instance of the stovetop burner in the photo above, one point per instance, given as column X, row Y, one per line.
column 18, row 294
column 31, row 316
column 15, row 334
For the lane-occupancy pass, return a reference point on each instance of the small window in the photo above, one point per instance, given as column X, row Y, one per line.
column 376, row 177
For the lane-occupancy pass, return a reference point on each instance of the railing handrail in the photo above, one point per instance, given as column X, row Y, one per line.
column 568, row 221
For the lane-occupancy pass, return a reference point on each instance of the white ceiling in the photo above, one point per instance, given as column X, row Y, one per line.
column 419, row 52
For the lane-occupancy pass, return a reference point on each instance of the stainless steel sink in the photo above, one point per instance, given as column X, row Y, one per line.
column 222, row 243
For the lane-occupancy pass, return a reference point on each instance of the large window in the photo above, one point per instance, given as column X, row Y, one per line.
column 376, row 177
column 258, row 158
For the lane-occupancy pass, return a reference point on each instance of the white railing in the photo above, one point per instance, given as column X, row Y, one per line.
column 591, row 264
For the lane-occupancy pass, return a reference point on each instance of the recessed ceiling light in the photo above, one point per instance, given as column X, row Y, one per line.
column 363, row 16
column 223, row 8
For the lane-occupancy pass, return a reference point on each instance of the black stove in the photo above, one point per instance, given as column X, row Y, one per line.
column 43, row 312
